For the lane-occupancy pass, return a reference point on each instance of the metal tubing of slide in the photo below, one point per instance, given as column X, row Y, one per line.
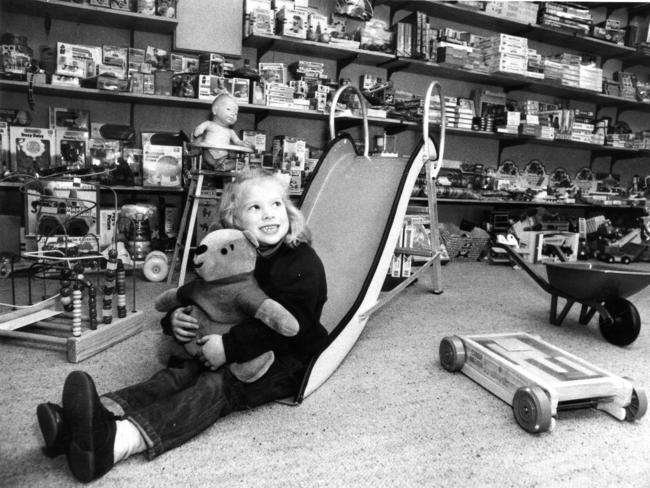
column 432, row 169
column 335, row 99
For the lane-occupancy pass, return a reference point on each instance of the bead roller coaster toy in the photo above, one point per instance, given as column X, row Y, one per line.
column 59, row 321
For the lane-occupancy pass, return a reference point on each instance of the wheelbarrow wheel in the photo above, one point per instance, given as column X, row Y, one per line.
column 532, row 409
column 638, row 405
column 625, row 325
column 452, row 353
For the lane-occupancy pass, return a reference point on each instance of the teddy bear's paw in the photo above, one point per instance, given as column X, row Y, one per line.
column 253, row 370
column 277, row 318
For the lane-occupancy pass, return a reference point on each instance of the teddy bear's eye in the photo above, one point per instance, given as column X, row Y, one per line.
column 232, row 247
column 224, row 251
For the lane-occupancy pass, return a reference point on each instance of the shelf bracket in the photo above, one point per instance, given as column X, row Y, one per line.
column 260, row 116
column 263, row 49
column 396, row 128
column 342, row 63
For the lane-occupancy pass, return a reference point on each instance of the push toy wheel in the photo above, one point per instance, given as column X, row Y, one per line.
column 532, row 409
column 156, row 266
column 625, row 325
column 638, row 405
column 452, row 353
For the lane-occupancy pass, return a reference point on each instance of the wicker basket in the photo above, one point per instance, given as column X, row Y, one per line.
column 463, row 247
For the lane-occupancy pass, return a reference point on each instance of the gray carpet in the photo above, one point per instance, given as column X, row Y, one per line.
column 389, row 416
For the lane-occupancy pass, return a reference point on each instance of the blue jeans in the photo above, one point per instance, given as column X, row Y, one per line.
column 176, row 404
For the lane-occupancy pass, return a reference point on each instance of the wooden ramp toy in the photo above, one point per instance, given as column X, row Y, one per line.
column 538, row 379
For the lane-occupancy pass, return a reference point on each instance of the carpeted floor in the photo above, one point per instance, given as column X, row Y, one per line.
column 389, row 416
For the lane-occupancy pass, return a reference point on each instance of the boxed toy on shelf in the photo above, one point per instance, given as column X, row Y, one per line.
column 162, row 159
column 32, row 149
column 72, row 148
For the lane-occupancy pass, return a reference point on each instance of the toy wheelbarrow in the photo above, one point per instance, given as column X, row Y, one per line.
column 538, row 379
column 598, row 287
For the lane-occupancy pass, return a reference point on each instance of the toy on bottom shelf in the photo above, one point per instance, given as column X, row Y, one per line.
column 538, row 379
column 226, row 294
column 217, row 133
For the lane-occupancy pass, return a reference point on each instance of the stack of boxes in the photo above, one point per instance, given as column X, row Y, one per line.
column 505, row 53
column 525, row 12
column 564, row 15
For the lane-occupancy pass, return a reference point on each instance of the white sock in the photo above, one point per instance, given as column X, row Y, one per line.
column 128, row 441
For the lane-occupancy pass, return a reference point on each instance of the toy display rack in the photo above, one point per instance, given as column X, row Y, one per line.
column 47, row 325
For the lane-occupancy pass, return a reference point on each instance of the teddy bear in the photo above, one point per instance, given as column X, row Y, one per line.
column 226, row 293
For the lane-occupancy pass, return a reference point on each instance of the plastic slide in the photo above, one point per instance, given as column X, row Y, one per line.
column 354, row 205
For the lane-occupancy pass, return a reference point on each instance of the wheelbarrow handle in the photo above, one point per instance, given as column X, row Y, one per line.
column 526, row 267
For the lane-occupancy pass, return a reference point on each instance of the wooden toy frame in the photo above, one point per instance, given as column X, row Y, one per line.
column 538, row 379
column 47, row 325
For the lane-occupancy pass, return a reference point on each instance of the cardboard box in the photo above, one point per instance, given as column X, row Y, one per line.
column 133, row 158
column 77, row 200
column 209, row 86
column 121, row 5
column 289, row 153
column 77, row 60
column 162, row 165
column 4, row 146
column 115, row 56
column 72, row 148
column 32, row 149
column 107, row 221
column 103, row 153
column 211, row 64
column 69, row 118
column 292, row 23
column 241, row 89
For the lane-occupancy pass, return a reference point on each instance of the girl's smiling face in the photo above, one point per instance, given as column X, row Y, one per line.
column 261, row 210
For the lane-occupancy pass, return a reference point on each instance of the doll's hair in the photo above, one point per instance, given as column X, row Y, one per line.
column 231, row 202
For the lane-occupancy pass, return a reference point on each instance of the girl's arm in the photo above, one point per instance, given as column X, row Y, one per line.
column 299, row 285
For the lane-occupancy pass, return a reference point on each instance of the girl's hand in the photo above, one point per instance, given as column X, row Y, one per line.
column 212, row 354
column 184, row 326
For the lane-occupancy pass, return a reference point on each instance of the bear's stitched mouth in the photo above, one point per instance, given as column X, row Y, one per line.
column 198, row 265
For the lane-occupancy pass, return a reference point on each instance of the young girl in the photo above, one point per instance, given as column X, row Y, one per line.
column 176, row 404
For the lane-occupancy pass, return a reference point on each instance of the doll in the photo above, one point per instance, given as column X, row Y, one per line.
column 217, row 132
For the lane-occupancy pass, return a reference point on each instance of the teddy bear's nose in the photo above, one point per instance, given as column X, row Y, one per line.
column 201, row 249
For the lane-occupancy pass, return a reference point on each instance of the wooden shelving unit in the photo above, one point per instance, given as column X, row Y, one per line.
column 88, row 14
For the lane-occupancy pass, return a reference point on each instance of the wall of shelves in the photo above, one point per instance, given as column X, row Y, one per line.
column 72, row 22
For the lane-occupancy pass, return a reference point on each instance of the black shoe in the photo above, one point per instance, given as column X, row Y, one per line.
column 92, row 428
column 55, row 435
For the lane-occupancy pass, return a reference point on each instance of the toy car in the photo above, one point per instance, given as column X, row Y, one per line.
column 538, row 379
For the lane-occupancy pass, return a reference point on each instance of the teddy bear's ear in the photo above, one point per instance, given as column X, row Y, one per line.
column 251, row 237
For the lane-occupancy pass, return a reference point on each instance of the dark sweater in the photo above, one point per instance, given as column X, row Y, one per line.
column 294, row 277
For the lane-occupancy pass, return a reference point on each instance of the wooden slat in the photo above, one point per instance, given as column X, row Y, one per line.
column 27, row 319
column 31, row 337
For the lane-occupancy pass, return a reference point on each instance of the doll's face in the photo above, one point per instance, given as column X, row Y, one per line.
column 225, row 110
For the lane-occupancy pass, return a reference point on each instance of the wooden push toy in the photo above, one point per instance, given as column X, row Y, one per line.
column 538, row 379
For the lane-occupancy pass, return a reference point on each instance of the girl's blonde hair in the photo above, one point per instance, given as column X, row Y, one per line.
column 231, row 202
